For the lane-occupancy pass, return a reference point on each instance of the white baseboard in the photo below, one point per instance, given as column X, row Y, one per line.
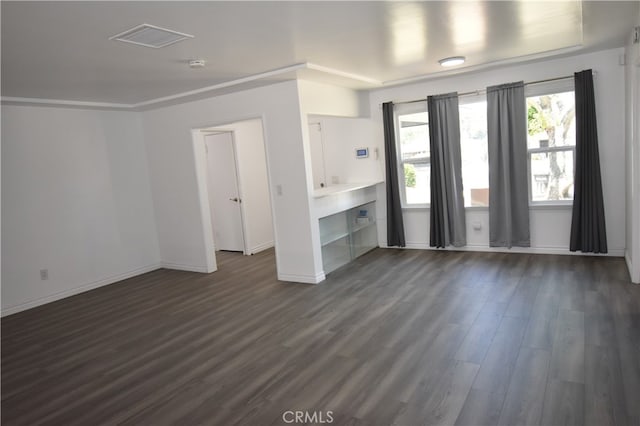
column 77, row 290
column 616, row 252
column 181, row 267
column 262, row 247
column 304, row 279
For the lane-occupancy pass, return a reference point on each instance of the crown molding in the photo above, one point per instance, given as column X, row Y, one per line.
column 486, row 66
column 149, row 103
column 294, row 68
column 11, row 100
column 230, row 83
column 338, row 73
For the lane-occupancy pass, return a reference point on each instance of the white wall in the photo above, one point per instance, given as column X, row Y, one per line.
column 254, row 183
column 340, row 138
column 550, row 228
column 321, row 99
column 175, row 185
column 76, row 201
column 326, row 99
column 632, row 80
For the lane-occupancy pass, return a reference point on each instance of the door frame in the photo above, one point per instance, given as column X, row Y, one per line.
column 217, row 131
column 200, row 170
column 324, row 163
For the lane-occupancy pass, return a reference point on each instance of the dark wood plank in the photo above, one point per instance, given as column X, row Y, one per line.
column 599, row 324
column 542, row 322
column 481, row 409
column 440, row 400
column 523, row 299
column 499, row 363
column 567, row 355
column 604, row 402
column 563, row 404
column 398, row 336
column 477, row 341
column 626, row 307
column 525, row 397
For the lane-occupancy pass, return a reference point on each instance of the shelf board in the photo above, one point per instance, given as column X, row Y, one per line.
column 332, row 238
column 340, row 188
column 359, row 227
column 361, row 250
column 332, row 266
column 333, row 258
column 342, row 240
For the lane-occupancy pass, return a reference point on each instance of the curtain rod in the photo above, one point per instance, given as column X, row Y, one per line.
column 479, row 92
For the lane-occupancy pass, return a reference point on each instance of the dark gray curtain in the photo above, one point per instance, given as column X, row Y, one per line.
column 447, row 203
column 508, row 193
column 395, row 225
column 588, row 232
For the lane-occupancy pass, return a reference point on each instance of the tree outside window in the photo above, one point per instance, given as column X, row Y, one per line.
column 414, row 155
column 551, row 146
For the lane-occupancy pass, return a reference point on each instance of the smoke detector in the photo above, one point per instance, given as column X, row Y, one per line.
column 150, row 36
column 197, row 63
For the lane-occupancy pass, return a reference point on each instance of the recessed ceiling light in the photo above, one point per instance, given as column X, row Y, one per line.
column 452, row 61
column 150, row 36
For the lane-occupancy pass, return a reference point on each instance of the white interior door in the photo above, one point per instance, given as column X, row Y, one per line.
column 224, row 194
column 317, row 155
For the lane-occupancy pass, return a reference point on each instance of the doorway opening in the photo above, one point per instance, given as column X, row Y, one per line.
column 225, row 198
column 233, row 178
column 317, row 155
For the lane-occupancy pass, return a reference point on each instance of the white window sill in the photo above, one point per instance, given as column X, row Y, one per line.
column 541, row 206
column 552, row 206
column 428, row 207
column 417, row 207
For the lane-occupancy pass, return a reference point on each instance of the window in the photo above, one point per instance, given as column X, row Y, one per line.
column 551, row 146
column 414, row 154
column 474, row 151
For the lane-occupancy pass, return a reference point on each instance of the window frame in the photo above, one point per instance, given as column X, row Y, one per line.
column 398, row 110
column 548, row 88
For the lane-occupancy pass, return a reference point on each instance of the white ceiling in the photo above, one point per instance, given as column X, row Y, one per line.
column 61, row 50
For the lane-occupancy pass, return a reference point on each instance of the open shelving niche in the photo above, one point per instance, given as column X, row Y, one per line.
column 350, row 232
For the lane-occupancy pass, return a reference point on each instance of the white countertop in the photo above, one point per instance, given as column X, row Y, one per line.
column 343, row 187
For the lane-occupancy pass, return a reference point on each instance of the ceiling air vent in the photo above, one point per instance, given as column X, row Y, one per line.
column 150, row 36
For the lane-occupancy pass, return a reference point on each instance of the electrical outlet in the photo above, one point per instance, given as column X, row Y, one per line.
column 44, row 274
column 279, row 189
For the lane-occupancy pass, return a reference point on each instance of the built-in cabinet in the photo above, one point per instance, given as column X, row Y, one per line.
column 347, row 221
column 347, row 235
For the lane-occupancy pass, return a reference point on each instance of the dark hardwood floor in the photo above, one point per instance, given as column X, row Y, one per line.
column 401, row 337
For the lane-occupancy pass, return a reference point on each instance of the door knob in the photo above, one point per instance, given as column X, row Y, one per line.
column 235, row 199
